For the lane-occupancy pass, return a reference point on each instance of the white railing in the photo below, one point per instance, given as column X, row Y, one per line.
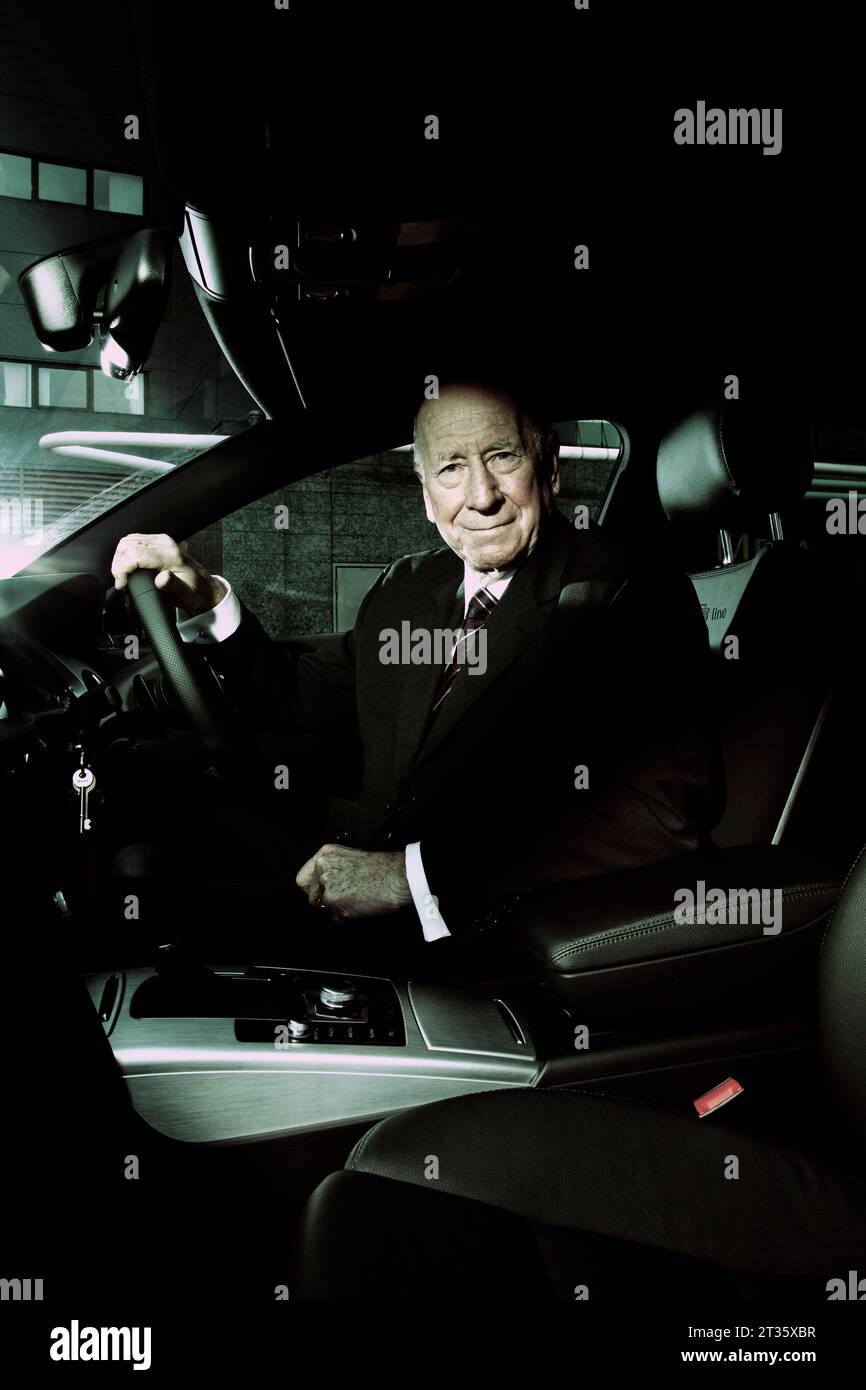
column 89, row 444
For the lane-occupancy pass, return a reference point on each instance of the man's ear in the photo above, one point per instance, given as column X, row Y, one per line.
column 553, row 463
column 428, row 507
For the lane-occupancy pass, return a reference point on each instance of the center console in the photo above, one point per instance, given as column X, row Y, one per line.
column 628, row 991
column 228, row 1054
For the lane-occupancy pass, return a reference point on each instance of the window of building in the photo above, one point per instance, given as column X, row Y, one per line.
column 15, row 176
column 107, row 190
column 15, row 386
column 118, row 397
column 60, row 183
column 63, row 387
column 118, row 192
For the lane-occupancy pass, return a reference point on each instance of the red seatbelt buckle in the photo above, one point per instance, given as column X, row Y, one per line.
column 717, row 1097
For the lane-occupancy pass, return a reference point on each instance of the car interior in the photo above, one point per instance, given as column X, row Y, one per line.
column 536, row 1135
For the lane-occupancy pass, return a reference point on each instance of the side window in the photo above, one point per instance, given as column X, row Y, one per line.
column 351, row 583
column 589, row 451
column 303, row 557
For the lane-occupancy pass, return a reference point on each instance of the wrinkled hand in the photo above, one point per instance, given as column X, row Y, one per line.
column 184, row 580
column 355, row 882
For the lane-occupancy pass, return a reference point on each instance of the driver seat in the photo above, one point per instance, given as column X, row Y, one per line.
column 556, row 1194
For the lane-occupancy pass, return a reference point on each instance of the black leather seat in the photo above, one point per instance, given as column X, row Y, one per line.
column 539, row 1193
column 731, row 469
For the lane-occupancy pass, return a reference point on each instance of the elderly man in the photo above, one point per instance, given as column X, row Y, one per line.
column 576, row 747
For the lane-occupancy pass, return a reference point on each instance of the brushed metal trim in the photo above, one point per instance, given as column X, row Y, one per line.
column 190, row 1079
column 216, row 1108
column 469, row 1017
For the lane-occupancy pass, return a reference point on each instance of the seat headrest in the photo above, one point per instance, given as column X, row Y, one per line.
column 729, row 465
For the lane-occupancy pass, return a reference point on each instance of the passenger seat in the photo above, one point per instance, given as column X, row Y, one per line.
column 774, row 628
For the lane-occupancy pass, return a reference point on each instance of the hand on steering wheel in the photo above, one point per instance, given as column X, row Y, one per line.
column 195, row 690
column 194, row 686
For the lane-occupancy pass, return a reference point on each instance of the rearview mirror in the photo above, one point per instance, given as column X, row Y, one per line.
column 62, row 293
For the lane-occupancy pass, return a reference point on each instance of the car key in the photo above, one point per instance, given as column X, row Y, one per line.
column 83, row 781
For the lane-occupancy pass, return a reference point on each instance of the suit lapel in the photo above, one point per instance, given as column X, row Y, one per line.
column 525, row 609
column 435, row 607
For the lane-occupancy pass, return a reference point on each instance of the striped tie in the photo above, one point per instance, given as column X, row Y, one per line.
column 481, row 605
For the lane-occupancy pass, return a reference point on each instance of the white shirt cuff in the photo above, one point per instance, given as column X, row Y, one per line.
column 215, row 624
column 426, row 905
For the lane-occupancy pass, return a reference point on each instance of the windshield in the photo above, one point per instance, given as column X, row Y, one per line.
column 73, row 441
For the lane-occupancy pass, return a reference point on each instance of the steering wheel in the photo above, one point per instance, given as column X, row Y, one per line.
column 195, row 689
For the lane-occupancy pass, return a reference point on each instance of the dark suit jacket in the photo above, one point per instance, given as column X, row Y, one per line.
column 595, row 657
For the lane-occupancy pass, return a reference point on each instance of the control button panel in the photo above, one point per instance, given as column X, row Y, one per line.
column 327, row 1010
column 272, row 1030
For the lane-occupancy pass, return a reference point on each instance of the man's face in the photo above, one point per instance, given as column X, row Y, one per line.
column 482, row 487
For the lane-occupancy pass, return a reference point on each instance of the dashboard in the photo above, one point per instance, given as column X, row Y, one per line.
column 34, row 681
column 75, row 705
column 52, row 656
column 69, row 707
